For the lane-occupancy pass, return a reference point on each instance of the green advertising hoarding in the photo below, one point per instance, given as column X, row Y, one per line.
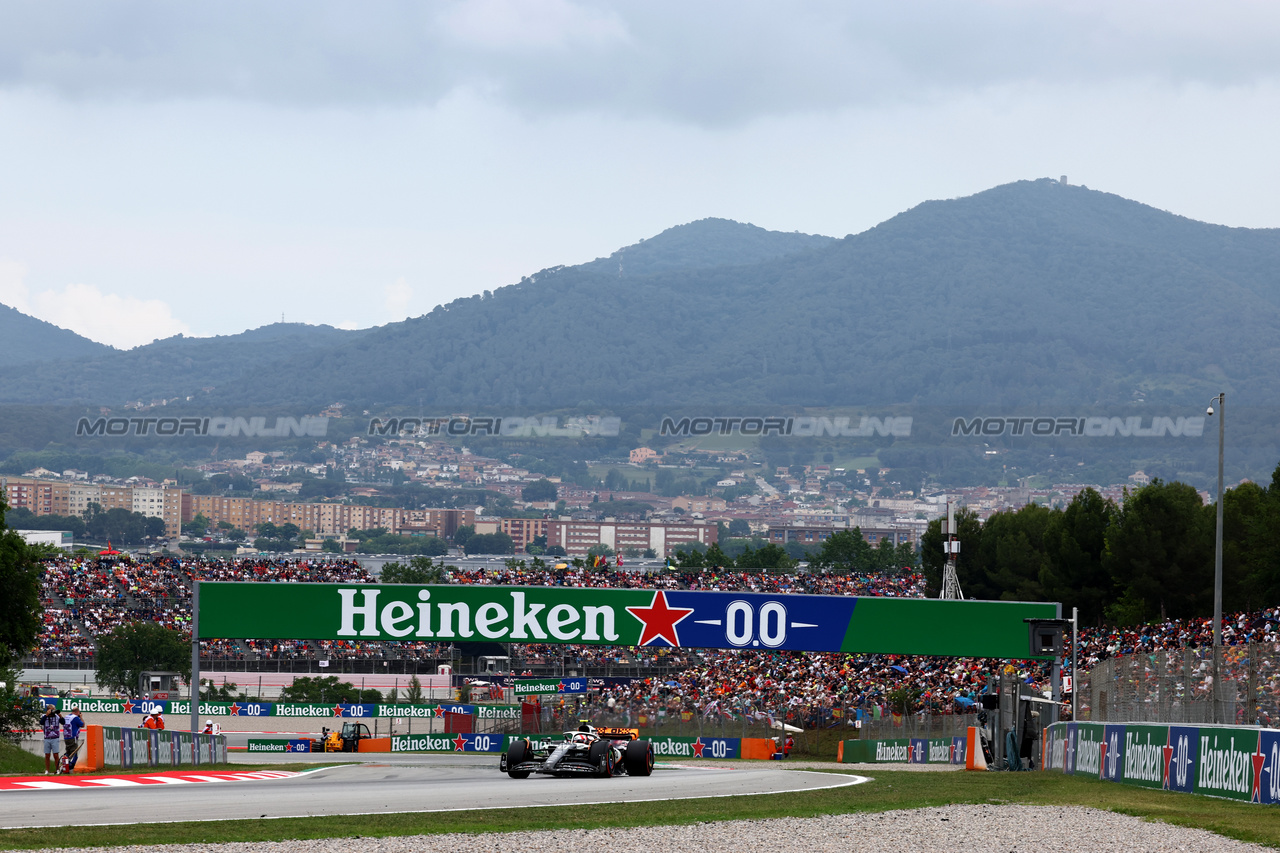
column 622, row 617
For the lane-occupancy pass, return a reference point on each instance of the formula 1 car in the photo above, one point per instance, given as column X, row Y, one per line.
column 585, row 752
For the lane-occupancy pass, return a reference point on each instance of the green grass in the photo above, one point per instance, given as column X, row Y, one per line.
column 889, row 790
column 15, row 761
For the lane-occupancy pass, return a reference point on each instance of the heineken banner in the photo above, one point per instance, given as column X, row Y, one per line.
column 950, row 750
column 181, row 707
column 620, row 617
column 540, row 686
column 1221, row 761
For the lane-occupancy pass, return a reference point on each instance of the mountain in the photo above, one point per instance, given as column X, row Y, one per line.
column 701, row 244
column 173, row 367
column 27, row 339
column 1029, row 293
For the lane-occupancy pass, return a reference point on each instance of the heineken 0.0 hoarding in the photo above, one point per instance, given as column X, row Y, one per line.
column 620, row 617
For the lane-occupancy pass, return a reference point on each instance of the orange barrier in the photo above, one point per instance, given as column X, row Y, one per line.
column 91, row 753
column 375, row 744
column 973, row 757
column 840, row 752
column 758, row 747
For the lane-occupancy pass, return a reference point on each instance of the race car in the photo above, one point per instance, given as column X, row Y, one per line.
column 586, row 751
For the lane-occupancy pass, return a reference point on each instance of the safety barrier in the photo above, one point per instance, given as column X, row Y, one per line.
column 663, row 746
column 117, row 746
column 951, row 750
column 1219, row 761
column 362, row 710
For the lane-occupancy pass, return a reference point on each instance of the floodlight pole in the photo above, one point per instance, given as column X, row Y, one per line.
column 195, row 656
column 1221, row 400
column 1075, row 675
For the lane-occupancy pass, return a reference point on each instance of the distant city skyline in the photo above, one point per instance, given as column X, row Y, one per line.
column 172, row 169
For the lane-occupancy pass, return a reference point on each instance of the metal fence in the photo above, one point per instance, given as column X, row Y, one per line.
column 1178, row 686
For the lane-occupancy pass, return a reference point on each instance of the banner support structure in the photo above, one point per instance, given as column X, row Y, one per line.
column 195, row 657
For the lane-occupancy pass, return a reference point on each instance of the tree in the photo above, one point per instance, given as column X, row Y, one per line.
column 1160, row 552
column 768, row 557
column 844, row 552
column 18, row 714
column 421, row 570
column 20, row 607
column 541, row 491
column 739, row 527
column 1075, row 540
column 1012, row 555
column 462, row 534
column 327, row 688
column 489, row 543
column 197, row 526
column 130, row 650
column 413, row 694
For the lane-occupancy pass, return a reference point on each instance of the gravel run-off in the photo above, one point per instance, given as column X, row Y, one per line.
column 993, row 828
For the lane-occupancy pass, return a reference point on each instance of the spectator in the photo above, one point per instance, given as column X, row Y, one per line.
column 51, row 723
column 72, row 724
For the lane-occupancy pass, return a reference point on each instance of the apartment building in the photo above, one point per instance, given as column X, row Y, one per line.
column 577, row 537
column 524, row 530
column 54, row 497
column 325, row 519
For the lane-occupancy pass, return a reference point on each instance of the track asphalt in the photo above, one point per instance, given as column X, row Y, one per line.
column 392, row 783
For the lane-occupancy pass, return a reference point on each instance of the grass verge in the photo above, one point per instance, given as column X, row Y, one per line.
column 16, row 761
column 890, row 790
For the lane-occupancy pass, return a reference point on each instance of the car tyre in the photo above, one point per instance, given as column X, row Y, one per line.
column 518, row 753
column 638, row 758
column 601, row 755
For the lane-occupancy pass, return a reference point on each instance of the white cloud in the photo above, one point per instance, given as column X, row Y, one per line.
column 397, row 297
column 119, row 321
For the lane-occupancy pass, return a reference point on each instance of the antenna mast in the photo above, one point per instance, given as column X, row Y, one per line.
column 950, row 547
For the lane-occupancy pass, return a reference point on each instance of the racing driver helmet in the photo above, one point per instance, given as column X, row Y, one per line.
column 582, row 737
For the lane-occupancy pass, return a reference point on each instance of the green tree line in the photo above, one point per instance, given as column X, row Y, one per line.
column 1152, row 556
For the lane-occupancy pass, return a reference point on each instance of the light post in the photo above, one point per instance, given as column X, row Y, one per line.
column 1221, row 400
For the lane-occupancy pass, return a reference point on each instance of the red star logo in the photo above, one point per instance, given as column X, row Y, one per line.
column 1168, row 760
column 235, row 709
column 1102, row 760
column 337, row 710
column 697, row 748
column 459, row 744
column 1259, row 761
column 953, row 752
column 659, row 620
column 560, row 687
column 439, row 710
column 128, row 707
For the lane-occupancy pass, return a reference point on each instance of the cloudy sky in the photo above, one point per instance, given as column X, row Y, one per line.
column 207, row 168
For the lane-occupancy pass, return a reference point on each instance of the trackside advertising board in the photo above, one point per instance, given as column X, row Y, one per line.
column 663, row 747
column 619, row 617
column 543, row 686
column 288, row 709
column 1219, row 761
column 948, row 750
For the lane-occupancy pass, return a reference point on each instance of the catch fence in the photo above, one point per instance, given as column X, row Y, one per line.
column 1178, row 686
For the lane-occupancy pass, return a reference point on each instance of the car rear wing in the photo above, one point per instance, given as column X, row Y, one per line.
column 613, row 733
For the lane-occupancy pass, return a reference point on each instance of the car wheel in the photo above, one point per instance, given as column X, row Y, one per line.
column 518, row 753
column 601, row 755
column 638, row 758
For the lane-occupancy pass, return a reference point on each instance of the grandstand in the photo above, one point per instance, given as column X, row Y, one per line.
column 86, row 598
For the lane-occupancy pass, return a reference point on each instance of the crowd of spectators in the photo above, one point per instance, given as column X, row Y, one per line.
column 85, row 598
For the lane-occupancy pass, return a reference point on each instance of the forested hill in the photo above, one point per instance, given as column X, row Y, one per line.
column 701, row 244
column 26, row 339
column 1029, row 293
column 1033, row 292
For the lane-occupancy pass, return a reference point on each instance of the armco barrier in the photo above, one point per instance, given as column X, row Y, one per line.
column 904, row 751
column 1218, row 761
